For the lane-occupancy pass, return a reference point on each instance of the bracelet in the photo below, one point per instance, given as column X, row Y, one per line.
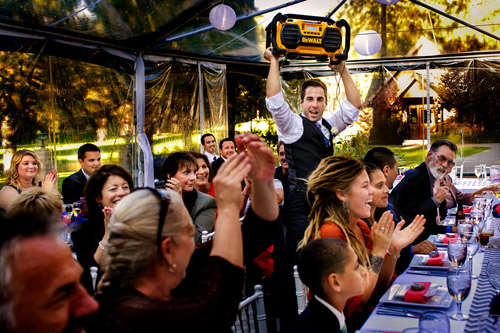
column 101, row 246
column 375, row 263
column 391, row 255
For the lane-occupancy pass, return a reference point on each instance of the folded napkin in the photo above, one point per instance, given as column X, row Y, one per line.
column 467, row 210
column 415, row 296
column 446, row 239
column 436, row 261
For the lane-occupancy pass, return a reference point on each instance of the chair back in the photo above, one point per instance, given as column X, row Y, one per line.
column 300, row 291
column 206, row 236
column 250, row 311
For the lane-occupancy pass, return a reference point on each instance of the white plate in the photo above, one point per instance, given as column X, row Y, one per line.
column 441, row 299
column 421, row 258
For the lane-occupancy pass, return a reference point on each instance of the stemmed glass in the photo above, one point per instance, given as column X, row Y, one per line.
column 434, row 321
column 478, row 170
column 493, row 271
column 472, row 248
column 459, row 282
column 457, row 252
column 463, row 230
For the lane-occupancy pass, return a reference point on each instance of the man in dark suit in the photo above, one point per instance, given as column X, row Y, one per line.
column 331, row 270
column 89, row 157
column 226, row 149
column 426, row 189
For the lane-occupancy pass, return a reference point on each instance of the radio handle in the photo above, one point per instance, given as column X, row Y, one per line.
column 271, row 32
column 343, row 56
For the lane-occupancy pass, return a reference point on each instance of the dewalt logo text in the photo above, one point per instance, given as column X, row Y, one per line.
column 311, row 40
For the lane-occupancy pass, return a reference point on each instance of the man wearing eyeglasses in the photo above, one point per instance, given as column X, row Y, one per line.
column 427, row 189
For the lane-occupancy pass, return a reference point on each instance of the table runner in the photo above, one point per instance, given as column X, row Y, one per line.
column 484, row 293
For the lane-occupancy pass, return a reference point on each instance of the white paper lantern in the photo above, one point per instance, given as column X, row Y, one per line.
column 388, row 2
column 222, row 17
column 367, row 42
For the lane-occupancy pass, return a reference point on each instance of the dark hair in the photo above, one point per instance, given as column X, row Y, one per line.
column 370, row 168
column 444, row 142
column 280, row 143
column 207, row 162
column 312, row 83
column 380, row 156
column 93, row 187
column 85, row 148
column 225, row 140
column 204, row 136
column 320, row 258
column 176, row 161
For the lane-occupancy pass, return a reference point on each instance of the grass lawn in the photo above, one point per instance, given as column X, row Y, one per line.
column 414, row 155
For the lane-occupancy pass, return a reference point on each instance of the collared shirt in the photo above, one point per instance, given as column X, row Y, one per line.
column 211, row 157
column 290, row 127
column 86, row 176
column 340, row 316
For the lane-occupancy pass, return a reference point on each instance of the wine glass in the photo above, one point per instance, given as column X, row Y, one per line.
column 457, row 252
column 493, row 272
column 459, row 282
column 434, row 321
column 463, row 229
column 472, row 248
column 477, row 171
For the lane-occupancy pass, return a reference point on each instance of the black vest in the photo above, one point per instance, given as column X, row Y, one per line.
column 304, row 155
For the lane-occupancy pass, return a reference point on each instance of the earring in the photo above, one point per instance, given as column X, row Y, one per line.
column 172, row 268
column 345, row 207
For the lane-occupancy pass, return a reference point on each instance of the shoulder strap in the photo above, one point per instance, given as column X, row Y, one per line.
column 15, row 188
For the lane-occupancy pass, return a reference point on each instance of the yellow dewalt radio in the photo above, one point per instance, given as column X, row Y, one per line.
column 308, row 37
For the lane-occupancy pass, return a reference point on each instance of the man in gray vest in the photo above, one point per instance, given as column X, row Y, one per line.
column 307, row 137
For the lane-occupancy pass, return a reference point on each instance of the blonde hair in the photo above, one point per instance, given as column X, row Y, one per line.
column 333, row 174
column 13, row 175
column 39, row 202
column 131, row 249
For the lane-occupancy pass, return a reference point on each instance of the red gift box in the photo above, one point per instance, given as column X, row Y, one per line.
column 417, row 296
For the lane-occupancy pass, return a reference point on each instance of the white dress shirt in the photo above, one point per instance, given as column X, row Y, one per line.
column 340, row 316
column 289, row 124
column 211, row 157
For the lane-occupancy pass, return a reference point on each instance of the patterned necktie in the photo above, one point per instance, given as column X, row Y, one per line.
column 327, row 141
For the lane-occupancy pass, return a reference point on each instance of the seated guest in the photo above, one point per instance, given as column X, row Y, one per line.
column 89, row 157
column 180, row 173
column 333, row 273
column 204, row 175
column 147, row 253
column 341, row 190
column 40, row 289
column 25, row 171
column 38, row 203
column 385, row 160
column 105, row 188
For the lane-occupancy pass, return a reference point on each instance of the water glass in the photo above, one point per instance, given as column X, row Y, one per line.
column 464, row 229
column 459, row 283
column 493, row 272
column 457, row 252
column 434, row 321
column 472, row 248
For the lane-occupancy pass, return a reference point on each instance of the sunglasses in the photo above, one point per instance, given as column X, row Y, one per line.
column 164, row 202
column 442, row 159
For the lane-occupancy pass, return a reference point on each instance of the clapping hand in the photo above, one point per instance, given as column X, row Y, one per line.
column 50, row 180
column 382, row 233
column 228, row 181
column 260, row 155
column 401, row 238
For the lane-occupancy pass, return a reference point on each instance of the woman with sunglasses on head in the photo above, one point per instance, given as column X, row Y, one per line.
column 342, row 195
column 107, row 186
column 150, row 245
column 25, row 171
column 180, row 171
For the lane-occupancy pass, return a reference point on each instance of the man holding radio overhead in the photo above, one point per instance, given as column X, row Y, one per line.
column 307, row 137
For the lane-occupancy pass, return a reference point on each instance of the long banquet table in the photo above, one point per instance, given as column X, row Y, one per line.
column 389, row 323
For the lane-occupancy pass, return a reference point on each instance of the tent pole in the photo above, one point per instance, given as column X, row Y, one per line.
column 201, row 105
column 52, row 106
column 455, row 19
column 239, row 18
column 428, row 86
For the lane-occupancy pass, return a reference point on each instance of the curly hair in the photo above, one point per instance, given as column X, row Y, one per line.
column 13, row 175
column 333, row 174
